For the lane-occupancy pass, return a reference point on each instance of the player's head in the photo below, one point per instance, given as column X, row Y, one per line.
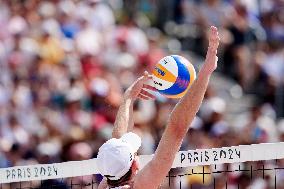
column 116, row 159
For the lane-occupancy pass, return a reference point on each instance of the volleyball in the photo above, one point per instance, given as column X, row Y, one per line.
column 173, row 75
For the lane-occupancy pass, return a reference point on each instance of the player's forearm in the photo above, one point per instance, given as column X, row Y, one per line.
column 178, row 124
column 124, row 119
column 186, row 109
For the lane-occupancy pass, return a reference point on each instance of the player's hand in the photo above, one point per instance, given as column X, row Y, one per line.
column 137, row 89
column 211, row 57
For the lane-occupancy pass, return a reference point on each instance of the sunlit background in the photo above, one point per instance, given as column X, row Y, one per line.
column 65, row 64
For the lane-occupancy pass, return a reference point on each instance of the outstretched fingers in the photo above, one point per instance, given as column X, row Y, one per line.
column 213, row 38
column 144, row 87
column 143, row 97
column 211, row 56
column 146, row 76
column 147, row 94
column 142, row 80
column 149, row 87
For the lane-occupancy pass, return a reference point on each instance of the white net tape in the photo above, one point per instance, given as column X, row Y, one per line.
column 234, row 154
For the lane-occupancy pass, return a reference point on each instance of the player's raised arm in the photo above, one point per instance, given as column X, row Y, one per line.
column 124, row 118
column 179, row 121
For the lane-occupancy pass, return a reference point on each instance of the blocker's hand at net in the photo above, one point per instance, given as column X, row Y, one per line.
column 211, row 57
column 137, row 89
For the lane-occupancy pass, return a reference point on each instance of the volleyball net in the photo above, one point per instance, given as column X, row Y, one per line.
column 255, row 166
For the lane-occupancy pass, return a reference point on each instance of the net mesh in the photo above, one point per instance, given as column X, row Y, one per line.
column 257, row 169
column 259, row 174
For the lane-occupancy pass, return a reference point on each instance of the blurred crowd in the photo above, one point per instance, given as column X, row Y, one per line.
column 64, row 65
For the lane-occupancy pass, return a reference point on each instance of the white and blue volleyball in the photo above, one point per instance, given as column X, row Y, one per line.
column 173, row 76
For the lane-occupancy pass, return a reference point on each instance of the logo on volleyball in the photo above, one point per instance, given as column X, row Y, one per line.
column 160, row 72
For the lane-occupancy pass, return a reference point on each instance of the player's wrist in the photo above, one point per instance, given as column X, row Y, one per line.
column 128, row 98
